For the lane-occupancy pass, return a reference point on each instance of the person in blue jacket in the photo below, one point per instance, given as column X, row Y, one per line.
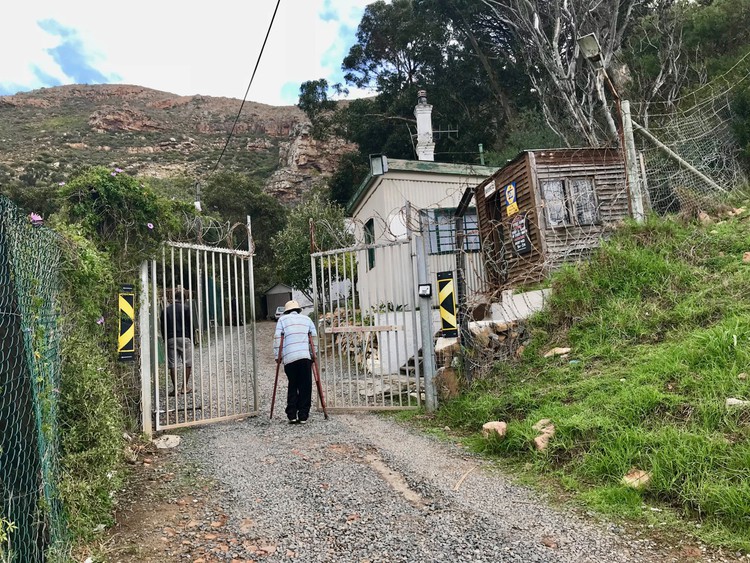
column 297, row 358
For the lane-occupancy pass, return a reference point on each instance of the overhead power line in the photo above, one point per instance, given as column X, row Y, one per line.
column 257, row 62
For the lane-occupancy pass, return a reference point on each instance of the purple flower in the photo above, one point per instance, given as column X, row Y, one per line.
column 35, row 219
column 62, row 183
column 118, row 170
column 100, row 321
column 150, row 226
column 113, row 174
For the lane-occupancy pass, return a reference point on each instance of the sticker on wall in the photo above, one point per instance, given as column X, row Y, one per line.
column 126, row 339
column 510, row 199
column 519, row 234
column 447, row 301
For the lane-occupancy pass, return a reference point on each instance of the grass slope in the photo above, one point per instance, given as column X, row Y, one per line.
column 659, row 326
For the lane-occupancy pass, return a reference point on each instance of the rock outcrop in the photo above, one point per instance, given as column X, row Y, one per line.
column 157, row 134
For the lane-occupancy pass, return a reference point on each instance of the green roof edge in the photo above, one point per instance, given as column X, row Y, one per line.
column 420, row 166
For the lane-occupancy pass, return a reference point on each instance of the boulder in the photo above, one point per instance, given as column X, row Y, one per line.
column 636, row 479
column 494, row 427
column 446, row 383
column 732, row 402
column 546, row 430
column 557, row 352
column 167, row 441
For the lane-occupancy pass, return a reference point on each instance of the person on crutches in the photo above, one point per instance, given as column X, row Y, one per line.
column 295, row 335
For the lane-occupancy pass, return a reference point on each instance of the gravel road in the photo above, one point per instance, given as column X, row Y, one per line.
column 363, row 488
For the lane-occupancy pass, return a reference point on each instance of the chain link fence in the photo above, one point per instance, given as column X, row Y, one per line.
column 29, row 387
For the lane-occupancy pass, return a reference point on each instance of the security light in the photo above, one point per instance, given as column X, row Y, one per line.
column 378, row 164
column 590, row 49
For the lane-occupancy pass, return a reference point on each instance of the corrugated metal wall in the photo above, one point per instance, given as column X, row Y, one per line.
column 550, row 247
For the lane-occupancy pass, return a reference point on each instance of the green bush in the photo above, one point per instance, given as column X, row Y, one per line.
column 109, row 223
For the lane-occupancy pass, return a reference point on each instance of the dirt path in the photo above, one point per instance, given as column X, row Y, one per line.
column 354, row 488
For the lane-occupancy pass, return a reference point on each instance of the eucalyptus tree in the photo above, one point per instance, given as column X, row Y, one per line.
column 573, row 96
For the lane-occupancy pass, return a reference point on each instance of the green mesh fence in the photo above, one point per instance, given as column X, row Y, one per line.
column 29, row 376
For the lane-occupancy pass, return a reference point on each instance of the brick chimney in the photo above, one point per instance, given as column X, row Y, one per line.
column 425, row 142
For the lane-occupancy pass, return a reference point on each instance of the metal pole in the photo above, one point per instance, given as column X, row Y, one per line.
column 145, row 352
column 463, row 310
column 631, row 164
column 425, row 319
column 251, row 280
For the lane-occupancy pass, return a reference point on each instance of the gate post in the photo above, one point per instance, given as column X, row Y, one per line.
column 144, row 311
column 425, row 318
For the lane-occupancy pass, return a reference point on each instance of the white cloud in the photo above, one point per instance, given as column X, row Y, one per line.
column 171, row 46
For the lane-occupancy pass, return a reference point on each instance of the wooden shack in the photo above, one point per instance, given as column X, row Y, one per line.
column 547, row 207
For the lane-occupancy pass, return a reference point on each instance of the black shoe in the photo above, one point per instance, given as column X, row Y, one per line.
column 294, row 421
column 303, row 421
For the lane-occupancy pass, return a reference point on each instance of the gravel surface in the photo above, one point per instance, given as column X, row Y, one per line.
column 364, row 488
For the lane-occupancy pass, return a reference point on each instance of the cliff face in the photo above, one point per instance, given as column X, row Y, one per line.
column 49, row 133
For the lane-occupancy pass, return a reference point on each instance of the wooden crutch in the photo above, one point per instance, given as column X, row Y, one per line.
column 316, row 372
column 276, row 381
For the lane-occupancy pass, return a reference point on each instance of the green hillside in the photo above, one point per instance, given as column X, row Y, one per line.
column 658, row 323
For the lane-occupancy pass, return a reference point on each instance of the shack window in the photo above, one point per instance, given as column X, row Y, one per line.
column 442, row 230
column 569, row 201
column 370, row 239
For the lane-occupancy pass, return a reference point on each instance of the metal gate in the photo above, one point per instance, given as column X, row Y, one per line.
column 368, row 329
column 211, row 289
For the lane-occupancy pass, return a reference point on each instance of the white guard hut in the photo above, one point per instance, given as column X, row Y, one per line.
column 433, row 190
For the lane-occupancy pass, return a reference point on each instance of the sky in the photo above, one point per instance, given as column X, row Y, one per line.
column 185, row 48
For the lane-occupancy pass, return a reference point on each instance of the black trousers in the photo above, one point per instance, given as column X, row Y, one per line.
column 299, row 392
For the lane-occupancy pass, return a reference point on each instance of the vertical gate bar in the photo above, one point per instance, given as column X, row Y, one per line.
column 223, row 337
column 209, row 301
column 321, row 327
column 366, row 318
column 352, row 336
column 201, row 320
column 183, row 382
column 155, row 347
column 320, row 297
column 233, row 304
column 406, row 290
column 335, row 317
column 245, row 343
column 166, row 303
column 370, row 362
column 333, row 394
column 412, row 296
column 166, row 348
column 163, row 327
column 216, row 336
column 331, row 345
column 342, row 336
column 192, row 325
column 236, row 308
column 360, row 337
column 144, row 315
column 393, row 342
column 251, row 275
column 379, row 300
column 395, row 250
column 233, row 410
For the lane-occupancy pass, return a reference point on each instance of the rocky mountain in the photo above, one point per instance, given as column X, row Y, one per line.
column 47, row 134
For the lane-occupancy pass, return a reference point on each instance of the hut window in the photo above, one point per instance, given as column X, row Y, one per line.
column 370, row 239
column 583, row 201
column 442, row 230
column 569, row 201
